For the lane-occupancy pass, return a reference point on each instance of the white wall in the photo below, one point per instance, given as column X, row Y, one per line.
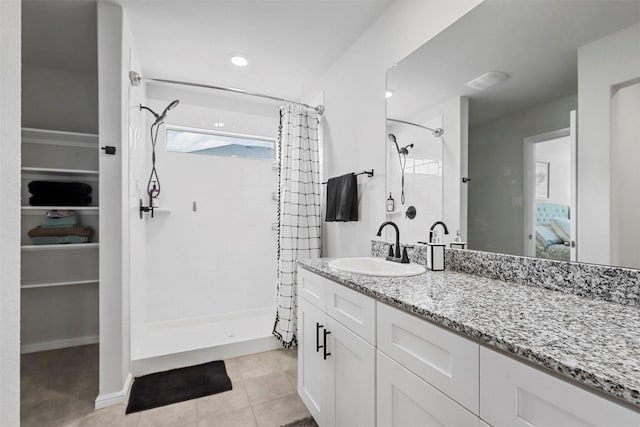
column 10, row 212
column 113, row 84
column 59, row 99
column 197, row 261
column 496, row 216
column 557, row 153
column 625, row 175
column 605, row 63
column 354, row 122
column 139, row 154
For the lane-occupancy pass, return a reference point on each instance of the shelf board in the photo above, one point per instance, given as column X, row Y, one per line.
column 77, row 144
column 60, row 247
column 54, row 284
column 35, row 210
column 46, row 132
column 54, row 171
column 59, row 138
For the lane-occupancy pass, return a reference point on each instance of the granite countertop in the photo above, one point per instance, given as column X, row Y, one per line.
column 596, row 343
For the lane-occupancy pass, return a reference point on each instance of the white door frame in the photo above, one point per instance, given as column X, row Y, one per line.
column 528, row 190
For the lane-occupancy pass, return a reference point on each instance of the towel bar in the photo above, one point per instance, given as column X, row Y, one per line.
column 369, row 173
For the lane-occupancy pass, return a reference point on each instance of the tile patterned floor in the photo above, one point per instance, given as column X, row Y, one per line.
column 59, row 386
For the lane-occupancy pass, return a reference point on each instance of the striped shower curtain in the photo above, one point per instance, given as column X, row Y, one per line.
column 299, row 221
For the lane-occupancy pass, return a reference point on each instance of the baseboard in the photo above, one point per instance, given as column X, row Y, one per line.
column 194, row 357
column 108, row 399
column 56, row 344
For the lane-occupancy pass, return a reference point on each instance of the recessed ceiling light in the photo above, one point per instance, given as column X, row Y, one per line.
column 388, row 94
column 219, row 124
column 239, row 61
column 487, row 80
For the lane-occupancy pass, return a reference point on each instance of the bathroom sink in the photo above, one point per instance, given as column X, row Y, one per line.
column 372, row 266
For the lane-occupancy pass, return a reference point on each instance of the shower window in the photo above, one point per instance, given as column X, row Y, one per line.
column 220, row 144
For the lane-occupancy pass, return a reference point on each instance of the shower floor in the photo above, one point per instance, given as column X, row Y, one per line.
column 230, row 334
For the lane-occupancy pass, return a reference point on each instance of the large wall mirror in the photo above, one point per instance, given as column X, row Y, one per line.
column 539, row 155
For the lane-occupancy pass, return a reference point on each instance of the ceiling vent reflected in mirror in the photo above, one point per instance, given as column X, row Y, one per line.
column 487, row 80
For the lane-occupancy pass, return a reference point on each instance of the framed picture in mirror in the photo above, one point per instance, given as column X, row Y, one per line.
column 542, row 180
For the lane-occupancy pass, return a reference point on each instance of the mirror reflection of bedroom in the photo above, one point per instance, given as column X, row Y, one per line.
column 549, row 193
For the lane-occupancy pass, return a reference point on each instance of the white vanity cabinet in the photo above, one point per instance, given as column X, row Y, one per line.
column 312, row 376
column 426, row 375
column 336, row 366
column 514, row 394
column 405, row 400
column 387, row 367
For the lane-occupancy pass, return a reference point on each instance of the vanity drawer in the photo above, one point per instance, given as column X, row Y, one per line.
column 404, row 400
column 515, row 394
column 313, row 288
column 354, row 310
column 443, row 359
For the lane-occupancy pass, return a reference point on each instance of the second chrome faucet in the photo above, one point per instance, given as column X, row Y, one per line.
column 404, row 258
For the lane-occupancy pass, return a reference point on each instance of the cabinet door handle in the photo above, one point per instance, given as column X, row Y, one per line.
column 318, row 346
column 325, row 345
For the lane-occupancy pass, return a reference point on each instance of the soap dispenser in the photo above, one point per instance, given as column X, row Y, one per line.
column 391, row 204
column 435, row 256
column 435, row 248
column 457, row 242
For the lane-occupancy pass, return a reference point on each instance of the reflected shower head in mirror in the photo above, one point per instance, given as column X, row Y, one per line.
column 405, row 150
column 401, row 151
column 402, row 157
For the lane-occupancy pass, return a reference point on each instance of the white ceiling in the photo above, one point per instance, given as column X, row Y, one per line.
column 60, row 34
column 535, row 42
column 289, row 44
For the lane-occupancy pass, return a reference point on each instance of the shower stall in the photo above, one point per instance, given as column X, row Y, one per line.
column 203, row 268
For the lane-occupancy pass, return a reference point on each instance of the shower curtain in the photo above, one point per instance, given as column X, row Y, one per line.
column 298, row 209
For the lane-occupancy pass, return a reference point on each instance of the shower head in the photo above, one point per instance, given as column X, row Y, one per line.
column 161, row 117
column 392, row 138
column 401, row 151
column 171, row 106
column 405, row 150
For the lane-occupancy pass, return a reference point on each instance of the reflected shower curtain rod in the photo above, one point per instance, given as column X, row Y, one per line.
column 136, row 79
column 436, row 132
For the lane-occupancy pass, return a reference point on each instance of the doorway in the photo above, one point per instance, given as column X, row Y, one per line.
column 549, row 194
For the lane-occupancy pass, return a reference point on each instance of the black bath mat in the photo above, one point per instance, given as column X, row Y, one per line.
column 178, row 385
column 304, row 422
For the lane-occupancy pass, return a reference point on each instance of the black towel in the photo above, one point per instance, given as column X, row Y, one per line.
column 53, row 193
column 342, row 198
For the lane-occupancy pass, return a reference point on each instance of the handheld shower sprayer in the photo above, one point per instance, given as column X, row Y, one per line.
column 161, row 117
column 402, row 157
column 401, row 151
column 153, row 186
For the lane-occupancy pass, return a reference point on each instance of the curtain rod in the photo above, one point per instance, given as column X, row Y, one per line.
column 136, row 79
column 436, row 132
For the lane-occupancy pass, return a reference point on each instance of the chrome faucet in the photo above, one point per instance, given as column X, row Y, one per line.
column 433, row 227
column 404, row 259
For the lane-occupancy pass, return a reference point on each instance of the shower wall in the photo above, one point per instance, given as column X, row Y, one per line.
column 210, row 269
column 423, row 179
